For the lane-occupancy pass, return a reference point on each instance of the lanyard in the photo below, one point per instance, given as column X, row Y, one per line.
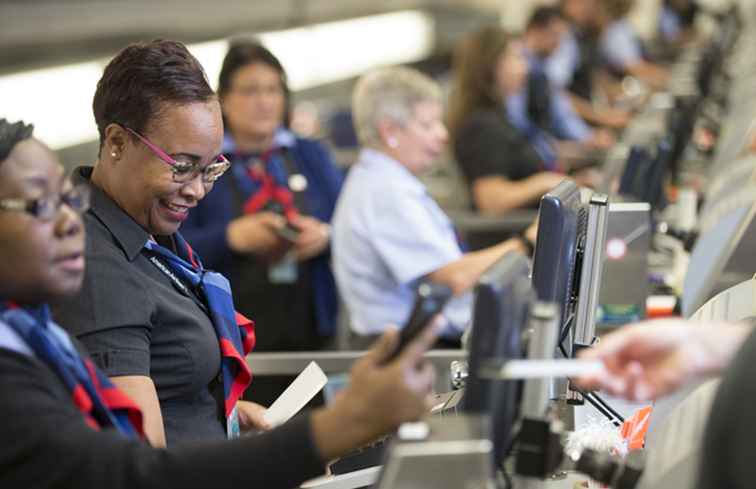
column 191, row 293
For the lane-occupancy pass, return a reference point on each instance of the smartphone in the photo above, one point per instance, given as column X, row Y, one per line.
column 430, row 300
column 289, row 232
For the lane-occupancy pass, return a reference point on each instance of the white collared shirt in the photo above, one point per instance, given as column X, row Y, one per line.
column 387, row 234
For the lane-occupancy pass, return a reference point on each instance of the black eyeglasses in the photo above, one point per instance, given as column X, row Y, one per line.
column 46, row 208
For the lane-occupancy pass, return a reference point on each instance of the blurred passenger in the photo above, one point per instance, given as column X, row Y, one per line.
column 388, row 233
column 504, row 170
column 575, row 62
column 154, row 320
column 65, row 425
column 621, row 47
column 543, row 106
column 266, row 226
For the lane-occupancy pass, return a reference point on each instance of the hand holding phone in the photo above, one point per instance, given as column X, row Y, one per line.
column 429, row 301
column 289, row 232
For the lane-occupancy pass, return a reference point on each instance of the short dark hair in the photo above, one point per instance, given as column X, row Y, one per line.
column 12, row 133
column 543, row 16
column 243, row 52
column 143, row 77
column 617, row 9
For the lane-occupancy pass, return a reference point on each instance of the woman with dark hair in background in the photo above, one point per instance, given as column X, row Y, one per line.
column 64, row 425
column 265, row 226
column 503, row 169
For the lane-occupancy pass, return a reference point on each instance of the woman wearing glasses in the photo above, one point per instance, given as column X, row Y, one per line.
column 160, row 326
column 265, row 225
column 64, row 425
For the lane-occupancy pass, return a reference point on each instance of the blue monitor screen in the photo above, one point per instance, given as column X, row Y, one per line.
column 561, row 227
column 502, row 299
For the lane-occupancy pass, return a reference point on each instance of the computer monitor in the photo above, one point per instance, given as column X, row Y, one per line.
column 723, row 254
column 637, row 160
column 645, row 174
column 657, row 175
column 502, row 298
column 567, row 265
column 739, row 174
column 562, row 221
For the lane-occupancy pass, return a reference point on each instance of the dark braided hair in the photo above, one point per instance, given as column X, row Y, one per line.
column 11, row 134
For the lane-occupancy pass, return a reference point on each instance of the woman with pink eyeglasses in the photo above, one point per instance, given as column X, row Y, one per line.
column 159, row 324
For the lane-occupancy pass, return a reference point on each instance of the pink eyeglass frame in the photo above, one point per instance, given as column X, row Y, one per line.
column 166, row 158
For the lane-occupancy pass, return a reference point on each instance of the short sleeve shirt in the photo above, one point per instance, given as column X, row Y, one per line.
column 387, row 234
column 561, row 65
column 134, row 321
column 487, row 144
column 620, row 46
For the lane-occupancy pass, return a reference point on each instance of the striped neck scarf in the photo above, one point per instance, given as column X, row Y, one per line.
column 267, row 184
column 101, row 403
column 236, row 333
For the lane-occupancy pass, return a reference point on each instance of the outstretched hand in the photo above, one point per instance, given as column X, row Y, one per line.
column 648, row 360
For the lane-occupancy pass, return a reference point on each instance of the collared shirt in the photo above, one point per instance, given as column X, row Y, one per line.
column 565, row 122
column 388, row 233
column 134, row 321
column 561, row 65
column 620, row 46
column 670, row 25
column 282, row 138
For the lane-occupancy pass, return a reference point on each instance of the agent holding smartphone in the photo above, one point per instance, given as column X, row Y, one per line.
column 265, row 224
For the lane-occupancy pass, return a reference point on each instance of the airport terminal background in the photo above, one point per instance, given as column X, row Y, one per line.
column 668, row 228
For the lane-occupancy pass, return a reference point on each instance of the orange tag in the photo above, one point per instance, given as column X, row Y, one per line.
column 634, row 429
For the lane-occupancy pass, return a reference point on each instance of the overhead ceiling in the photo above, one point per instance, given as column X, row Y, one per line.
column 37, row 33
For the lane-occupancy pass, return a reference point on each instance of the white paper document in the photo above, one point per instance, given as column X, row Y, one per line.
column 532, row 369
column 297, row 395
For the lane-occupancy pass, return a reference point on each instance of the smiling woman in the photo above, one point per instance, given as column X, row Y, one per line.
column 150, row 315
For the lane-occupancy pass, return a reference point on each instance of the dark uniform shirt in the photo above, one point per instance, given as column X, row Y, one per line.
column 488, row 145
column 134, row 321
column 728, row 460
column 48, row 445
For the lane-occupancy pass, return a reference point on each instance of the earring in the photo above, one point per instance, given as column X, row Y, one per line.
column 393, row 143
column 113, row 154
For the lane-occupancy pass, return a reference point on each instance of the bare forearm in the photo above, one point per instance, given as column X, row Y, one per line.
column 653, row 75
column 496, row 195
column 336, row 433
column 584, row 109
column 461, row 275
column 142, row 390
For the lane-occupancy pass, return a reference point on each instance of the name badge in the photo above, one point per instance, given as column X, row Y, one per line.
column 232, row 425
column 284, row 271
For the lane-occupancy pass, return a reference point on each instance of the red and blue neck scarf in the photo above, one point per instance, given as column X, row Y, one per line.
column 266, row 183
column 236, row 333
column 101, row 403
